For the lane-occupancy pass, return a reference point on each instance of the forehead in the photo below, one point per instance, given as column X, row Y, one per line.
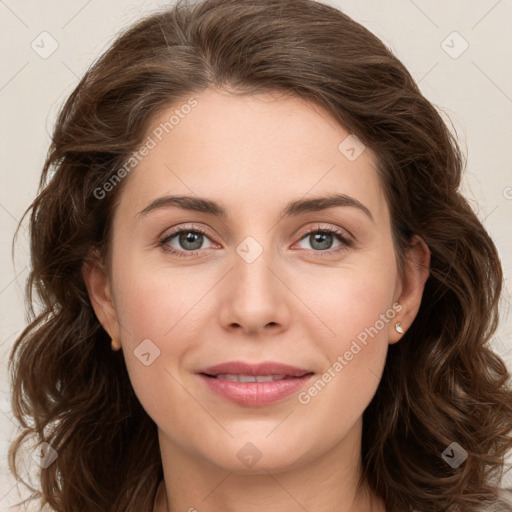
column 251, row 151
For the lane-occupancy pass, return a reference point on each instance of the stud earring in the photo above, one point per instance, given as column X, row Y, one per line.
column 115, row 344
column 398, row 328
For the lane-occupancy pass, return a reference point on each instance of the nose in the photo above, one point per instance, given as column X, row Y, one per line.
column 255, row 298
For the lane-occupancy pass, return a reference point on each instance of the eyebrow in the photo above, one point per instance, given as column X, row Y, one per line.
column 293, row 208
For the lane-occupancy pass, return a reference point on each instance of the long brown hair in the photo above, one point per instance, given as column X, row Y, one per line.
column 442, row 383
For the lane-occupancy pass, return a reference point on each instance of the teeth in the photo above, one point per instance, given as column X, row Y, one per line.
column 249, row 378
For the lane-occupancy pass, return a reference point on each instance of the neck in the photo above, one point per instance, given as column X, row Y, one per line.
column 325, row 483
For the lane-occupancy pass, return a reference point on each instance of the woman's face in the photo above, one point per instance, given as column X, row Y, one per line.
column 251, row 285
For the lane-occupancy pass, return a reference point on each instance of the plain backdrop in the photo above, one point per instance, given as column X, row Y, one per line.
column 458, row 51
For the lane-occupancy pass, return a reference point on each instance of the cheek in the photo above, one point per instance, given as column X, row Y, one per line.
column 355, row 340
column 154, row 307
column 167, row 307
column 345, row 303
column 353, row 314
column 157, row 303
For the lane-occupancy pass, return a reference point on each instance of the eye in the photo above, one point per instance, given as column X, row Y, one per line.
column 321, row 239
column 188, row 240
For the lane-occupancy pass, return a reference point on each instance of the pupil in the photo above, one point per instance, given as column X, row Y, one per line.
column 321, row 238
column 190, row 237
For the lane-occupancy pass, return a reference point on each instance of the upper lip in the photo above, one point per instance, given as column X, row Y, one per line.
column 263, row 368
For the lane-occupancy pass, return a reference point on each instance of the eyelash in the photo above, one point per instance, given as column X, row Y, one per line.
column 344, row 239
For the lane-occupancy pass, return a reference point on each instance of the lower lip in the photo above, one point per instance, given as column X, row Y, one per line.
column 254, row 394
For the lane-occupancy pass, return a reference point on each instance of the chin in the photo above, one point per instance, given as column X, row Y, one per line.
column 257, row 457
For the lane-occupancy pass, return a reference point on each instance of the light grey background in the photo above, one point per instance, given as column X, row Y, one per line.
column 473, row 89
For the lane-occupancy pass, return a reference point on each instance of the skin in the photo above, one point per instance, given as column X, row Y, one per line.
column 296, row 303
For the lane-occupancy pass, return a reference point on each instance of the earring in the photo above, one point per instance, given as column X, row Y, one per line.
column 115, row 344
column 398, row 328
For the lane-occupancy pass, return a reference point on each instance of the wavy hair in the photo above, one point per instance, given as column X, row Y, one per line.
column 442, row 382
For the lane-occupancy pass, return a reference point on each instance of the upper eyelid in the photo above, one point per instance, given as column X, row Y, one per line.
column 175, row 232
column 336, row 230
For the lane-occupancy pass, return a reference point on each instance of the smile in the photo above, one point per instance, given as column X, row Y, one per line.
column 254, row 390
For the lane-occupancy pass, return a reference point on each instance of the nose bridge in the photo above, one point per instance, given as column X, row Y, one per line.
column 251, row 264
column 252, row 273
column 254, row 298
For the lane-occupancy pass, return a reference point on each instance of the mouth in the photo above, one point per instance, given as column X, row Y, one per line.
column 254, row 384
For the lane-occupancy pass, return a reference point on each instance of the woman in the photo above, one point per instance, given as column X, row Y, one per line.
column 261, row 286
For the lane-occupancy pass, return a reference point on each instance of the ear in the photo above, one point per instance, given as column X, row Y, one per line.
column 99, row 289
column 411, row 285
